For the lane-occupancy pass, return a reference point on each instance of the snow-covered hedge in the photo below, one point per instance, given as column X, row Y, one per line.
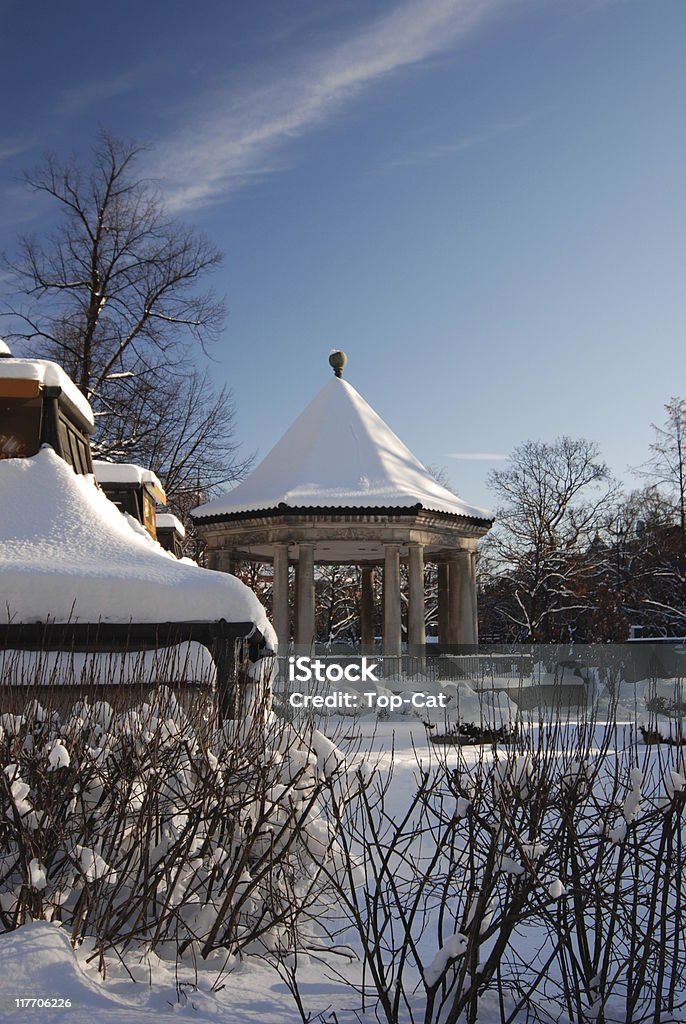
column 142, row 826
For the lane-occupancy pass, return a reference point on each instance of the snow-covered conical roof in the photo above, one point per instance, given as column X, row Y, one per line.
column 339, row 453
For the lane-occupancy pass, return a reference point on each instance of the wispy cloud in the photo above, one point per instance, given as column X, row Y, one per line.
column 478, row 456
column 16, row 146
column 18, row 206
column 73, row 101
column 244, row 134
column 444, row 149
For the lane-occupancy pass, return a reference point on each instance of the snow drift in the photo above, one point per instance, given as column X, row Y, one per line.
column 68, row 555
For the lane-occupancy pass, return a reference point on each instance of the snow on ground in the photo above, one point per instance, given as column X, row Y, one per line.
column 67, row 554
column 38, row 960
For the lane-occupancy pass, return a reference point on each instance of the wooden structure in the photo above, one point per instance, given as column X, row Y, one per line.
column 234, row 646
column 39, row 404
column 132, row 489
column 170, row 533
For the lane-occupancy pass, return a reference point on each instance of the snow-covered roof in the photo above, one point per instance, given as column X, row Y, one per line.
column 127, row 473
column 49, row 375
column 168, row 521
column 339, row 453
column 68, row 555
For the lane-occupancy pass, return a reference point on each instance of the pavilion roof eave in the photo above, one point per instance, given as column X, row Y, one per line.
column 341, row 510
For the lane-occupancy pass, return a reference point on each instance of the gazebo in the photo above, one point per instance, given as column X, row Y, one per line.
column 341, row 488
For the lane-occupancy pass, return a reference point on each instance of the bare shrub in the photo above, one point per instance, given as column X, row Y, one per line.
column 546, row 877
column 153, row 825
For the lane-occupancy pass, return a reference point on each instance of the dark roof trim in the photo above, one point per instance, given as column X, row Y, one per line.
column 54, row 391
column 334, row 510
column 132, row 636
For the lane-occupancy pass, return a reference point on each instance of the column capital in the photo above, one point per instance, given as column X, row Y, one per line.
column 457, row 554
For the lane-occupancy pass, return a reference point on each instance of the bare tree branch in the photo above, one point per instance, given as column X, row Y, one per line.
column 114, row 293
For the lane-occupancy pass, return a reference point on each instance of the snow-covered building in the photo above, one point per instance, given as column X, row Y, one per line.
column 171, row 532
column 137, row 491
column 40, row 404
column 340, row 487
column 77, row 574
column 133, row 489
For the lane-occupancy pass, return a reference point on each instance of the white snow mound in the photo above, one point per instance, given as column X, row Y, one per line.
column 68, row 554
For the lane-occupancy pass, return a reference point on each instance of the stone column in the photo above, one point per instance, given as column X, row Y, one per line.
column 462, row 598
column 280, row 613
column 416, row 628
column 296, row 591
column 443, row 603
column 467, row 601
column 454, row 593
column 305, row 634
column 367, row 609
column 222, row 560
column 392, row 636
column 475, row 609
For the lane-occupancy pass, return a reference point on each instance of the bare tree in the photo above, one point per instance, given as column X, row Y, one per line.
column 187, row 436
column 337, row 593
column 644, row 566
column 552, row 500
column 114, row 293
column 666, row 466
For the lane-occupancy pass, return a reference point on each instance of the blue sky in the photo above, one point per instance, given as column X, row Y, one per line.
column 481, row 201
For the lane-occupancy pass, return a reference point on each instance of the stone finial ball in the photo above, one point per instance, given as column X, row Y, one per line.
column 337, row 360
